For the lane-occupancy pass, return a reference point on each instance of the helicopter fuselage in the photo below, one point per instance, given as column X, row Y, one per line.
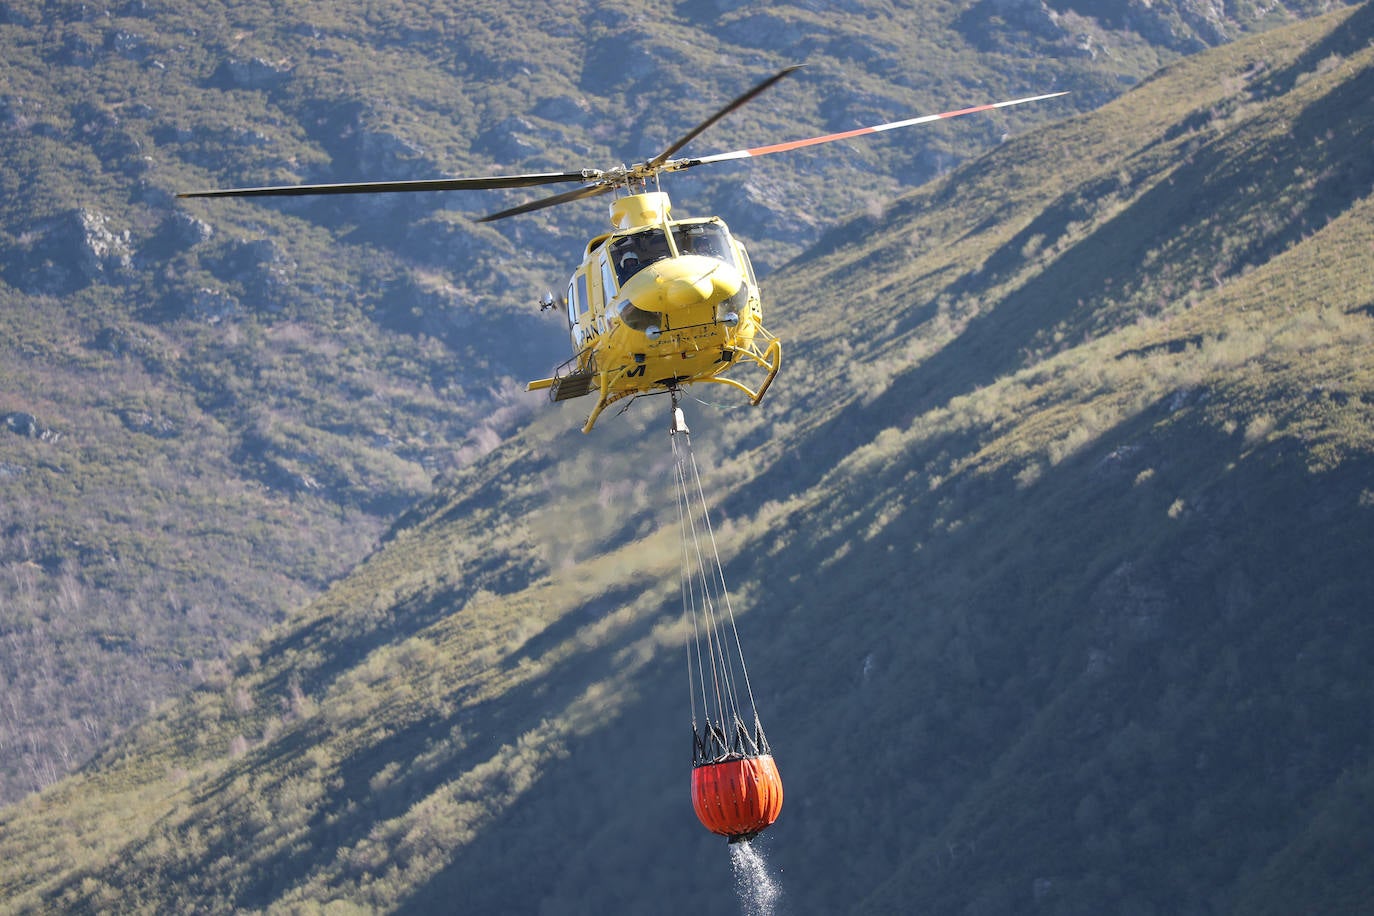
column 660, row 303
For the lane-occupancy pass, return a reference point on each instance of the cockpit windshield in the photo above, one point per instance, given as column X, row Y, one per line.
column 705, row 239
column 629, row 253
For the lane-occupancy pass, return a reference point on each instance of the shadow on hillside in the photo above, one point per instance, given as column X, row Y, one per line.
column 1351, row 38
column 334, row 644
column 1091, row 641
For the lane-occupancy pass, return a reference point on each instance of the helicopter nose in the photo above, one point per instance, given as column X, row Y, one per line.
column 687, row 288
column 689, row 282
column 685, row 292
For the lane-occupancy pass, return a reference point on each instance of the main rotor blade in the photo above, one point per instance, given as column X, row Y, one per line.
column 371, row 187
column 695, row 131
column 577, row 194
column 858, row 132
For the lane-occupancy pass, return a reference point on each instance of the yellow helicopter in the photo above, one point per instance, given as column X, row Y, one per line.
column 657, row 303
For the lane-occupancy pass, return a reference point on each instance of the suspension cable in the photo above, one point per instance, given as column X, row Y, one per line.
column 720, row 575
column 712, row 672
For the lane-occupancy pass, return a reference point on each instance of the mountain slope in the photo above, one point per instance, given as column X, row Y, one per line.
column 212, row 409
column 1050, row 551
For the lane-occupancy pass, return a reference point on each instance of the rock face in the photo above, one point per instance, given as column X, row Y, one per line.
column 149, row 424
column 213, row 306
column 1182, row 25
column 260, row 267
column 178, row 232
column 26, row 424
column 510, row 140
column 255, row 74
column 68, row 252
column 1032, row 16
column 358, row 146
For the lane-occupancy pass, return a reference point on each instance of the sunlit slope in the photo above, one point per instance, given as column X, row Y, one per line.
column 1050, row 547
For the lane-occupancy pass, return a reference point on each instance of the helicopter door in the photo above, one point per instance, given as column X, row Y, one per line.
column 607, row 291
column 577, row 297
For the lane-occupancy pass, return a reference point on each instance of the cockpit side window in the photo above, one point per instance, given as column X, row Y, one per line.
column 607, row 280
column 748, row 267
column 577, row 301
column 705, row 239
column 583, row 302
column 630, row 253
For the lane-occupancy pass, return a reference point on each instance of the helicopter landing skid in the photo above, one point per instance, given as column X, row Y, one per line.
column 605, row 396
column 769, row 360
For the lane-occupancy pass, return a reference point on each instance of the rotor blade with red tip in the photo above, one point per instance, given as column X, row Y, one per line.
column 696, row 131
column 860, row 131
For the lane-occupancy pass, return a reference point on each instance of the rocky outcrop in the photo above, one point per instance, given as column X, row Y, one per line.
column 27, row 425
column 255, row 73
column 358, row 147
column 260, row 266
column 178, row 232
column 213, row 306
column 61, row 254
column 149, row 424
column 510, row 140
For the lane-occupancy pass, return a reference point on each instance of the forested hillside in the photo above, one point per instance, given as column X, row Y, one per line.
column 1049, row 549
column 211, row 410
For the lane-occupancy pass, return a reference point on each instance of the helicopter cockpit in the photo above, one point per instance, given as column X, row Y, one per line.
column 632, row 253
column 705, row 238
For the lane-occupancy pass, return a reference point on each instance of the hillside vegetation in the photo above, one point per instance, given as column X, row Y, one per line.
column 213, row 409
column 1050, row 550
